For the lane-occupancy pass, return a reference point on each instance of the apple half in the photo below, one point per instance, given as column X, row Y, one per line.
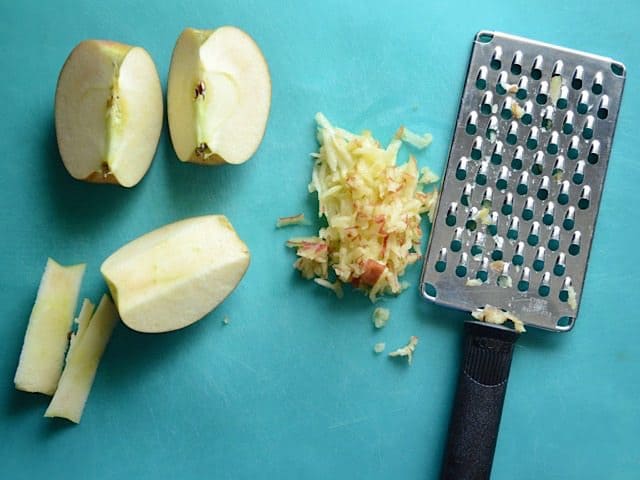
column 175, row 275
column 218, row 97
column 108, row 112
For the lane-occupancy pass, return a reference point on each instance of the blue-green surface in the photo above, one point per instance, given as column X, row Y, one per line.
column 291, row 387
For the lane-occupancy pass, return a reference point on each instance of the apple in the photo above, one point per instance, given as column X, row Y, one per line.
column 79, row 372
column 46, row 339
column 175, row 275
column 218, row 96
column 86, row 312
column 108, row 112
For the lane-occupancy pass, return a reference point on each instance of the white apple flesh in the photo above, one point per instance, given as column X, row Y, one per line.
column 108, row 112
column 218, row 96
column 175, row 275
column 46, row 339
column 79, row 372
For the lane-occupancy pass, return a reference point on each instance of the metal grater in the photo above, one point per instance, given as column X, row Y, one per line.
column 536, row 156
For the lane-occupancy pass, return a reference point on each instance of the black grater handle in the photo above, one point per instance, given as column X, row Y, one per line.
column 477, row 408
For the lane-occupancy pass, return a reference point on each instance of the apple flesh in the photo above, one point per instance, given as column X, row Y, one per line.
column 46, row 339
column 86, row 312
column 175, row 275
column 108, row 112
column 218, row 97
column 82, row 363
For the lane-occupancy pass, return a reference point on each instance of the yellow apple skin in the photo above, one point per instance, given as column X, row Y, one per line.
column 108, row 112
column 175, row 275
column 218, row 96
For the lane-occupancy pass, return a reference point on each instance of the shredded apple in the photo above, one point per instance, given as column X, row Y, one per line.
column 372, row 208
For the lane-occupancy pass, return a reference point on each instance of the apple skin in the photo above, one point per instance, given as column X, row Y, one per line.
column 108, row 112
column 218, row 96
column 173, row 276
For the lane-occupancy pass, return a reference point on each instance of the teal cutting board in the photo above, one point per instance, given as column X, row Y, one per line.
column 291, row 388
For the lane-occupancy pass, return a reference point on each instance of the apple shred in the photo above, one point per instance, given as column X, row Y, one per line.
column 407, row 350
column 372, row 207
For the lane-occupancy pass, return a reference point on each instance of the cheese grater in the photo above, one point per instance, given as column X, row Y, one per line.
column 516, row 215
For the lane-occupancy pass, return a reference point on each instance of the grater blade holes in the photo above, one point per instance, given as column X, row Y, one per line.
column 597, row 85
column 481, row 78
column 496, row 59
column 536, row 67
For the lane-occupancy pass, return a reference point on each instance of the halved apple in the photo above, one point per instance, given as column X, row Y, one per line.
column 175, row 275
column 219, row 95
column 108, row 112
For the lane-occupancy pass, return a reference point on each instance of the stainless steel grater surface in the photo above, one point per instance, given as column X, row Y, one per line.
column 524, row 179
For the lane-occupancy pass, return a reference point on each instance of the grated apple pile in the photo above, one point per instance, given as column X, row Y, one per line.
column 372, row 208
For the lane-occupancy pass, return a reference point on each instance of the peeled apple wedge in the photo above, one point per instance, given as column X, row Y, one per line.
column 46, row 338
column 108, row 112
column 219, row 95
column 175, row 275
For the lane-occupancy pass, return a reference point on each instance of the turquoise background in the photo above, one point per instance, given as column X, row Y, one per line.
column 291, row 387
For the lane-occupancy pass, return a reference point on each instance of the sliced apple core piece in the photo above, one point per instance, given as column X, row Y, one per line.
column 108, row 112
column 219, row 95
column 46, row 339
column 175, row 275
column 78, row 375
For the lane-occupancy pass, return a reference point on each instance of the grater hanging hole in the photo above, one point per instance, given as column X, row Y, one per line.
column 456, row 241
column 516, row 63
column 484, row 37
column 496, row 59
column 481, row 78
column 554, row 238
column 578, row 174
column 430, row 291
column 528, row 209
column 617, row 69
column 536, row 68
column 518, row 254
column 594, row 152
column 587, row 130
column 578, row 76
column 496, row 154
column 518, row 154
column 603, row 108
column 538, row 163
column 596, row 87
column 564, row 323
